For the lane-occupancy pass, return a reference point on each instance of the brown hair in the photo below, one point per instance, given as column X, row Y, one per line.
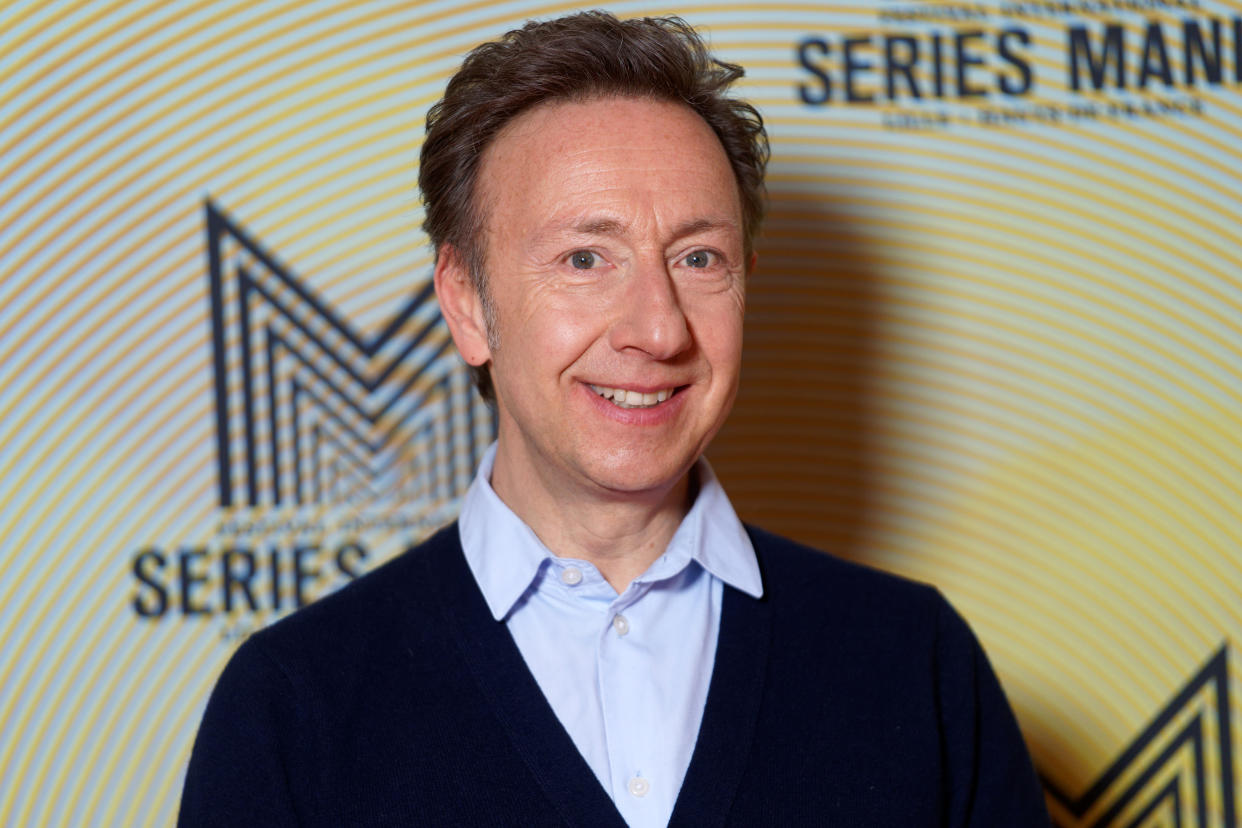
column 573, row 58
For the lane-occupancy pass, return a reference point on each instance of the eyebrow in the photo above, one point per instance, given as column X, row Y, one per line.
column 612, row 227
column 703, row 225
column 599, row 227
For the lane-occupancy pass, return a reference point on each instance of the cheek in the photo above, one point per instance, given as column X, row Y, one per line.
column 555, row 331
column 718, row 327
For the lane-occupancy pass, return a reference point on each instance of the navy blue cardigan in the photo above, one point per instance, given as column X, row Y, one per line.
column 843, row 697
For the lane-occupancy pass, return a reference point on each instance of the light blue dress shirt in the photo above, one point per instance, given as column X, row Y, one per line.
column 627, row 675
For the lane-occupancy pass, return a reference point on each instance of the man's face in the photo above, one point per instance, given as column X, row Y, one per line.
column 614, row 260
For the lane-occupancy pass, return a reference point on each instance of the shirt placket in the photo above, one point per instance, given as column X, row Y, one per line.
column 626, row 697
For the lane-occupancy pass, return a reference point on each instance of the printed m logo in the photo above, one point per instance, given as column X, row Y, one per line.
column 309, row 411
column 1178, row 771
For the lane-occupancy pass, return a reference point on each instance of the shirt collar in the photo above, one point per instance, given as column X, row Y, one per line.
column 505, row 555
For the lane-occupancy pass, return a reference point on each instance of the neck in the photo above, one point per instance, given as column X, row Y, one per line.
column 619, row 533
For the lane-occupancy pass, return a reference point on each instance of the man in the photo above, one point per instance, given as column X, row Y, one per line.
column 599, row 640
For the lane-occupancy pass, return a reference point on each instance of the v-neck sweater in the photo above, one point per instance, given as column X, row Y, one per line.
column 844, row 696
column 626, row 674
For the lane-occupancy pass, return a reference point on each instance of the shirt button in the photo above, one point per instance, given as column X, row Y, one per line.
column 639, row 786
column 622, row 626
column 571, row 575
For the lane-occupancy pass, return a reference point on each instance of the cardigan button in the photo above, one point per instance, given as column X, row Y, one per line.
column 639, row 786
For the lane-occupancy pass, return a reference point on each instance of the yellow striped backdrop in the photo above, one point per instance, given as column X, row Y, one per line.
column 1005, row 359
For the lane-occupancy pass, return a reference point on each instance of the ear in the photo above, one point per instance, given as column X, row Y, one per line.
column 461, row 306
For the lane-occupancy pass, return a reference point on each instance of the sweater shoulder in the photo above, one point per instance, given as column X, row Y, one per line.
column 820, row 585
column 793, row 567
column 396, row 596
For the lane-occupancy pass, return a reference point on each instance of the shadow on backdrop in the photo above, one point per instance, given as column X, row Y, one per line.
column 794, row 454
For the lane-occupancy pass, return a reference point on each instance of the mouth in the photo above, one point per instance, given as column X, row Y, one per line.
column 633, row 399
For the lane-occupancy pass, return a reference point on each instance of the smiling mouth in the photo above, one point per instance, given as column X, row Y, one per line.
column 633, row 399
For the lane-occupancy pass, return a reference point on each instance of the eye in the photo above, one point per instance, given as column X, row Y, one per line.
column 700, row 259
column 583, row 259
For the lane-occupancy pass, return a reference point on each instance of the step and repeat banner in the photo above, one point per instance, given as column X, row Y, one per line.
column 994, row 343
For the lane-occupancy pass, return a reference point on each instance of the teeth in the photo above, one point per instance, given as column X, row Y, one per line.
column 632, row 399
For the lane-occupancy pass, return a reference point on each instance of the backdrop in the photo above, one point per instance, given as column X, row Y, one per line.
column 993, row 343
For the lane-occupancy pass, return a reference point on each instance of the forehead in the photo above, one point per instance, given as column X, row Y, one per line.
column 601, row 120
column 622, row 154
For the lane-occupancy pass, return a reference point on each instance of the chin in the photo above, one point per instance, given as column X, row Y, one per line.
column 636, row 474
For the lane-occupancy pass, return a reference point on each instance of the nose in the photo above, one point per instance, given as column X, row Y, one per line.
column 651, row 318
